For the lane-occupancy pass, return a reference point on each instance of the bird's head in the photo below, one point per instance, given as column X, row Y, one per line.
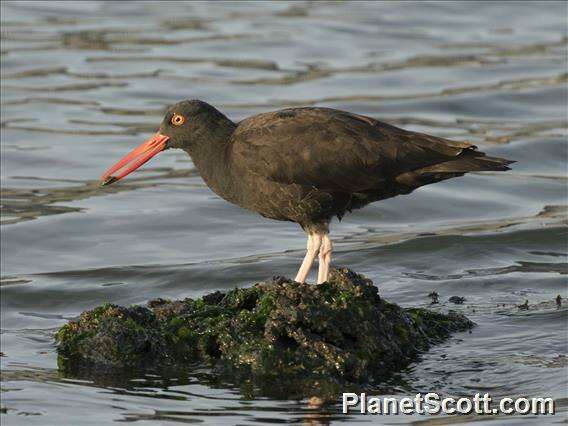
column 189, row 125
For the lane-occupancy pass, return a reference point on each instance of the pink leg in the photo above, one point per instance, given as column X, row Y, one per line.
column 314, row 243
column 324, row 258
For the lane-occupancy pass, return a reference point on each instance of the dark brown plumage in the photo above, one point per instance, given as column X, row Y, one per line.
column 307, row 165
column 315, row 163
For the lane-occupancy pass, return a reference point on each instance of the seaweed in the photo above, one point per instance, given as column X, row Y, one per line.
column 281, row 333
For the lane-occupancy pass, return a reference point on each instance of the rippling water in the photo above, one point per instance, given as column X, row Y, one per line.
column 83, row 82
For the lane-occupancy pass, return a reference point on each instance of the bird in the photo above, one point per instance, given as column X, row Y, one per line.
column 306, row 165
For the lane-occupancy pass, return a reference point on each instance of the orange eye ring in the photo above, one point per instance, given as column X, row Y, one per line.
column 177, row 120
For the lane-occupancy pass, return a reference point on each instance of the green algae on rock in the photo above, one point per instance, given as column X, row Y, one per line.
column 341, row 331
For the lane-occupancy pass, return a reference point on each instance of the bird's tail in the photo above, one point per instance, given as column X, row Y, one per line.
column 468, row 161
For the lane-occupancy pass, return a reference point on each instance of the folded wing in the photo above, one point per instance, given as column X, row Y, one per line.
column 338, row 151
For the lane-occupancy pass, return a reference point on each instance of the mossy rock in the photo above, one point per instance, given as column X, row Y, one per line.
column 295, row 335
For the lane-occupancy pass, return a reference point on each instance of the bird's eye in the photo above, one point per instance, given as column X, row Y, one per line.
column 177, row 120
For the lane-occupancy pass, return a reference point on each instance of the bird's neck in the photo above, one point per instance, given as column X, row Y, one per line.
column 212, row 158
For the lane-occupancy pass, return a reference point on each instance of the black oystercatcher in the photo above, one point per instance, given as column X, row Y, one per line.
column 305, row 165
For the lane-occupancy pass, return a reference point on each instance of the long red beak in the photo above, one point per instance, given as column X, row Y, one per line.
column 135, row 159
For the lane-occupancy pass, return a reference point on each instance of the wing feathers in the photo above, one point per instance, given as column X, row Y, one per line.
column 338, row 151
